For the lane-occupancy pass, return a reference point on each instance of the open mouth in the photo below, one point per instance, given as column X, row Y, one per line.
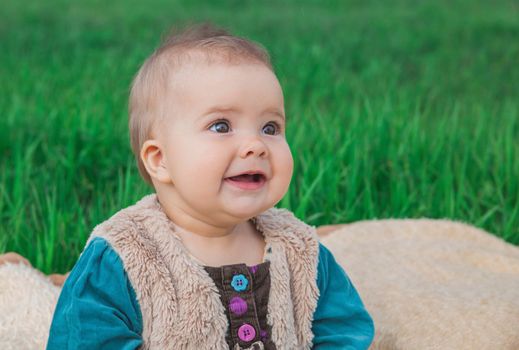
column 247, row 181
column 248, row 178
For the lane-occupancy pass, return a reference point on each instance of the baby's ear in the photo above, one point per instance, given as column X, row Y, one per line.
column 154, row 161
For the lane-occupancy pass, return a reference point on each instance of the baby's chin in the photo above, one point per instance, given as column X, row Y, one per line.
column 246, row 204
column 246, row 208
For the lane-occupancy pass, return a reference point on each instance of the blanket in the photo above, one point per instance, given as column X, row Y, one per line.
column 432, row 284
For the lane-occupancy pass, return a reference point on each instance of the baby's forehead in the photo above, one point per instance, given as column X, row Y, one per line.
column 200, row 68
column 192, row 58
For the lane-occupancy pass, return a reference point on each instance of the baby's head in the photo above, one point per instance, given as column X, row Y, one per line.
column 204, row 107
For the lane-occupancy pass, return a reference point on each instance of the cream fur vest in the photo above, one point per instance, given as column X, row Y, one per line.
column 179, row 302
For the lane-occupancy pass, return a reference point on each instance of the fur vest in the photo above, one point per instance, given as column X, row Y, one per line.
column 179, row 302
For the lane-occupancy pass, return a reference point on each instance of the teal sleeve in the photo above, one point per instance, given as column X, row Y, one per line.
column 340, row 319
column 97, row 307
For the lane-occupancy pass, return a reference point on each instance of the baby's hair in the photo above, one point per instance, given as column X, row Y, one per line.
column 151, row 81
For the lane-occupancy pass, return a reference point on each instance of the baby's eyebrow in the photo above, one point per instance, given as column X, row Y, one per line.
column 274, row 111
column 221, row 109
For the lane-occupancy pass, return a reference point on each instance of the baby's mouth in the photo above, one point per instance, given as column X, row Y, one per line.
column 247, row 181
column 247, row 178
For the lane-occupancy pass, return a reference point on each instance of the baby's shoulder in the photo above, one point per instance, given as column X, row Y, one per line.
column 281, row 225
column 123, row 226
column 284, row 220
column 98, row 249
column 127, row 220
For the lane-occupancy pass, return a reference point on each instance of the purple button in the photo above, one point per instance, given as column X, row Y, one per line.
column 246, row 332
column 238, row 306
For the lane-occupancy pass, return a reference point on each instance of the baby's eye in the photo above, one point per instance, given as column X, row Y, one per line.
column 223, row 128
column 275, row 128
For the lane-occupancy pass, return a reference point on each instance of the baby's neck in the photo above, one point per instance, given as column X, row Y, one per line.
column 214, row 241
column 244, row 244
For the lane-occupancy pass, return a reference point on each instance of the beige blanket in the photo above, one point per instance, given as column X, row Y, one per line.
column 432, row 284
column 429, row 284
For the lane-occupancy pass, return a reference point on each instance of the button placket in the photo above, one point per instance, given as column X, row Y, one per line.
column 239, row 291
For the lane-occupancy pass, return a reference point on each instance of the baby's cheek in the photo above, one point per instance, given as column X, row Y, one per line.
column 284, row 168
column 287, row 162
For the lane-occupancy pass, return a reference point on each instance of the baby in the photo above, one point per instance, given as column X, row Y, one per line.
column 207, row 261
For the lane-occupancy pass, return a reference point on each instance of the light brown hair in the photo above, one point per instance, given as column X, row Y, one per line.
column 151, row 81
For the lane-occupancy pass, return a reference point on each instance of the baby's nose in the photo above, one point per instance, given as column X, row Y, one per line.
column 253, row 146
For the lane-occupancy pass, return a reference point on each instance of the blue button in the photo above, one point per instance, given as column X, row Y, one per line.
column 239, row 283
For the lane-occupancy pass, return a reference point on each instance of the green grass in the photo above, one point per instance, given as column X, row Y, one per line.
column 406, row 109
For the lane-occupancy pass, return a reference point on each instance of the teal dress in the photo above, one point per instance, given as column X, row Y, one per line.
column 98, row 308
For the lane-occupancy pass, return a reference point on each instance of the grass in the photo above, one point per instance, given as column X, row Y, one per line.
column 407, row 109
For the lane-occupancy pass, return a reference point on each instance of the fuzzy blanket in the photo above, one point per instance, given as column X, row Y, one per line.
column 432, row 284
column 429, row 284
column 27, row 302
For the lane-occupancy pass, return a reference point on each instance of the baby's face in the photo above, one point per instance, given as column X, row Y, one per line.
column 224, row 120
